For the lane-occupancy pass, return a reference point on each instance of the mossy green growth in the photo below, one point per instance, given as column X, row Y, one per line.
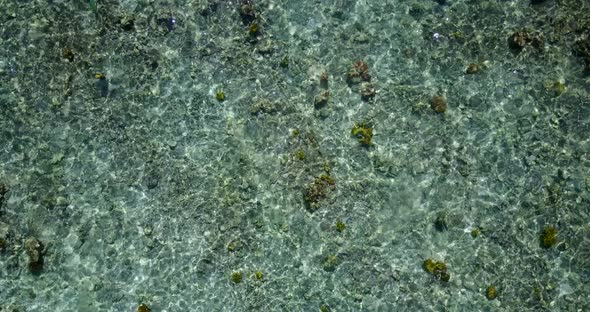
column 259, row 275
column 327, row 178
column 558, row 87
column 318, row 190
column 475, row 232
column 300, row 154
column 220, row 95
column 325, row 308
column 438, row 269
column 237, row 277
column 491, row 292
column 364, row 132
column 548, row 237
column 143, row 308
column 431, row 265
column 340, row 226
column 254, row 29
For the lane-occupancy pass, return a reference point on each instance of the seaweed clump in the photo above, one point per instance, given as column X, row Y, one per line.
column 473, row 68
column 258, row 275
column 143, row 308
column 548, row 237
column 318, row 190
column 237, row 277
column 359, row 79
column 364, row 132
column 491, row 292
column 438, row 269
column 340, row 226
column 438, row 103
column 358, row 73
column 220, row 95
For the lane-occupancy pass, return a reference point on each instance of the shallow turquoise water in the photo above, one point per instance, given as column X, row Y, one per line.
column 155, row 152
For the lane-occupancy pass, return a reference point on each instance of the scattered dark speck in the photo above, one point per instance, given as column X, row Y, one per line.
column 170, row 23
column 210, row 9
column 102, row 85
column 152, row 180
column 127, row 24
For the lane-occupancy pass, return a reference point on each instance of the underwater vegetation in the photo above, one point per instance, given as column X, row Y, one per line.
column 364, row 132
column 358, row 73
column 491, row 292
column 438, row 269
column 438, row 103
column 143, row 308
column 359, row 80
column 459, row 112
column 237, row 277
column 220, row 95
column 548, row 237
column 318, row 189
column 340, row 226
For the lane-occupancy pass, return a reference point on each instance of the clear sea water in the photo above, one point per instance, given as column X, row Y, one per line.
column 282, row 155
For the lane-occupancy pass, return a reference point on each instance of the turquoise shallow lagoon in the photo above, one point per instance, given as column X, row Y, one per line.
column 275, row 155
